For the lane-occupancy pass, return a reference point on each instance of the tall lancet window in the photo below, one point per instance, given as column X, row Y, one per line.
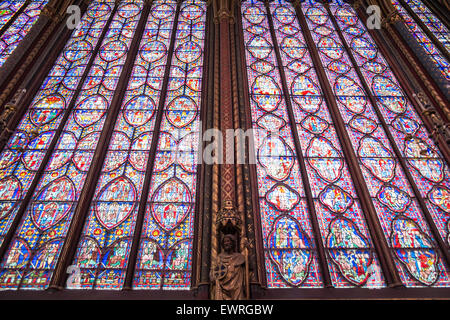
column 430, row 20
column 303, row 177
column 38, row 241
column 143, row 200
column 14, row 27
column 384, row 130
column 8, row 11
column 433, row 24
column 303, row 174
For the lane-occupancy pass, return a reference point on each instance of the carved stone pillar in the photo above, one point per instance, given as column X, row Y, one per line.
column 228, row 219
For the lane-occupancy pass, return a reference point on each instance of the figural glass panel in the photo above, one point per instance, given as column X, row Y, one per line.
column 335, row 201
column 431, row 21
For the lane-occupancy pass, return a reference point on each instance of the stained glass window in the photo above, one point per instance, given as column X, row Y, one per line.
column 41, row 234
column 165, row 259
column 102, row 172
column 9, row 40
column 431, row 21
column 26, row 149
column 343, row 229
column 435, row 26
column 281, row 191
column 60, row 133
column 105, row 246
column 7, row 10
column 390, row 191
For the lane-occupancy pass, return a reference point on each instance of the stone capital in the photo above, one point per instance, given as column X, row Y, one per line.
column 223, row 11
